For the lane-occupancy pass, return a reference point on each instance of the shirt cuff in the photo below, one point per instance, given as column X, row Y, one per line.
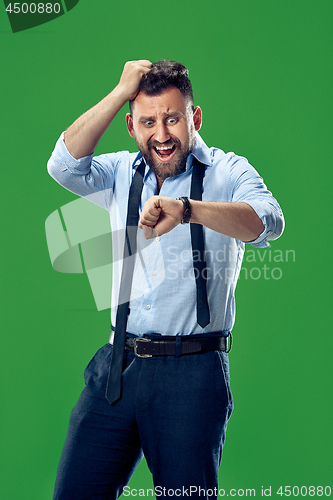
column 272, row 218
column 62, row 156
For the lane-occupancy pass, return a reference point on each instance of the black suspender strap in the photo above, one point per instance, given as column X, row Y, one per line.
column 113, row 388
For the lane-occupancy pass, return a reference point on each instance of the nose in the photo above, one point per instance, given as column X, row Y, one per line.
column 161, row 133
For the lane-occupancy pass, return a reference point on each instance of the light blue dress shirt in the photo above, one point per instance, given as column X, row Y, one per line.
column 163, row 294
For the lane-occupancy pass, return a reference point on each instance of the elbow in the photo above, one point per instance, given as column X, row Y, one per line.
column 277, row 223
column 53, row 168
column 281, row 225
column 272, row 228
column 278, row 228
column 50, row 167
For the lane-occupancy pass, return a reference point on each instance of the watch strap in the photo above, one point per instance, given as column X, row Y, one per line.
column 187, row 209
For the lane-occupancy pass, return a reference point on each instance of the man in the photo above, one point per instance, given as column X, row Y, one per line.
column 174, row 301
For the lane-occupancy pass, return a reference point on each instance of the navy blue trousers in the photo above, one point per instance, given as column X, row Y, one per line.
column 173, row 410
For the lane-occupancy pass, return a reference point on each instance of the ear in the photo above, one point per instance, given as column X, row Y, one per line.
column 197, row 118
column 129, row 122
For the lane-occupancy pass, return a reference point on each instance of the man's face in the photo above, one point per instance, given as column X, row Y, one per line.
column 164, row 129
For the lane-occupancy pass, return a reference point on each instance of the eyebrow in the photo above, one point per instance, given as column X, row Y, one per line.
column 165, row 115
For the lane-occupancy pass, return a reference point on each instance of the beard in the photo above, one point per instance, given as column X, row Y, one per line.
column 178, row 163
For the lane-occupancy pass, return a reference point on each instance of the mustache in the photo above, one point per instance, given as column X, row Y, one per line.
column 169, row 143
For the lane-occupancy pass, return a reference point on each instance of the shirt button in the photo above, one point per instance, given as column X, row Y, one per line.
column 154, row 273
column 148, row 307
column 158, row 238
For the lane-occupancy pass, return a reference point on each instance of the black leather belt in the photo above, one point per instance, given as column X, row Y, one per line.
column 144, row 347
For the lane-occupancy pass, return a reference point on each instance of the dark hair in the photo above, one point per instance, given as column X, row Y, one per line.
column 165, row 74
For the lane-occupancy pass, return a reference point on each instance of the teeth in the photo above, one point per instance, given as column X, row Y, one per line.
column 163, row 148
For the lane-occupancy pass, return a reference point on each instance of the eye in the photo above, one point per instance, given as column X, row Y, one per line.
column 172, row 121
column 148, row 123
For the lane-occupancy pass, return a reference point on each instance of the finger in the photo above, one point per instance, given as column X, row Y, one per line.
column 149, row 232
column 146, row 222
column 150, row 216
column 145, row 62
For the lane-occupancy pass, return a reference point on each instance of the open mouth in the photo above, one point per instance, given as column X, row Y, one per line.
column 165, row 153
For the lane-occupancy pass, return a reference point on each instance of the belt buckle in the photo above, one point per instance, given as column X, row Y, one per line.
column 141, row 339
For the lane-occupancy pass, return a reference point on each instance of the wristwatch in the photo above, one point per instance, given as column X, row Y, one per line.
column 187, row 209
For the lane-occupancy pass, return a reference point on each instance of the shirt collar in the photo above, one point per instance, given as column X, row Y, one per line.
column 200, row 151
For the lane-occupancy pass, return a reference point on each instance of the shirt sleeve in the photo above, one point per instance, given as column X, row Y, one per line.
column 90, row 177
column 247, row 186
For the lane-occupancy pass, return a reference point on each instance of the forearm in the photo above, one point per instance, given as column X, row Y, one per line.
column 82, row 137
column 161, row 214
column 235, row 219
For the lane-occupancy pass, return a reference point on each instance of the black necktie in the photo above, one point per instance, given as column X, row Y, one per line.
column 113, row 388
column 198, row 248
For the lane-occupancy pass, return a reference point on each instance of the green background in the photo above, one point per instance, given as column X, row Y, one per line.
column 262, row 72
